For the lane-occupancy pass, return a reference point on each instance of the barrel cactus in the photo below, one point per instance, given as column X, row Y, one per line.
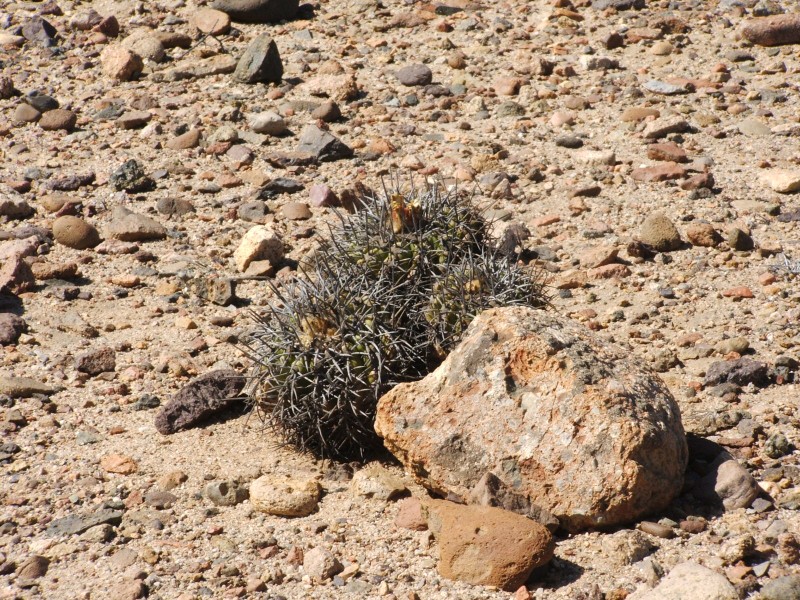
column 387, row 295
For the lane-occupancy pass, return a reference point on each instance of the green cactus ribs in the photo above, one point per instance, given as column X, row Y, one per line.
column 387, row 295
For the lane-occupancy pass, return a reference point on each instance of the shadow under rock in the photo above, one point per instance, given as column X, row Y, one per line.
column 558, row 573
column 305, row 12
column 10, row 303
column 237, row 408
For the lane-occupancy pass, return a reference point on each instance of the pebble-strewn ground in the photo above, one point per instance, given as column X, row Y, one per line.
column 579, row 122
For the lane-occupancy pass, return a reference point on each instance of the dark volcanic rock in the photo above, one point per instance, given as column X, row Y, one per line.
column 740, row 371
column 258, row 11
column 131, row 177
column 70, row 183
column 199, row 399
column 278, row 186
column 37, row 29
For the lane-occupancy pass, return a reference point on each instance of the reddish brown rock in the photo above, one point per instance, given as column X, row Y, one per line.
column 120, row 63
column 99, row 360
column 213, row 22
column 507, row 86
column 409, row 515
column 187, row 140
column 487, row 546
column 661, row 172
column 321, row 195
column 667, row 151
column 599, row 256
column 775, row 30
column 119, row 464
column 738, row 292
column 637, row 113
column 33, row 568
column 74, row 232
column 575, row 425
column 43, row 271
column 701, row 180
column 703, row 234
column 59, row 118
column 571, row 280
column 16, row 276
column 109, row 26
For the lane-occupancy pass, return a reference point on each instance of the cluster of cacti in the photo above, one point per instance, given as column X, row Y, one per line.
column 387, row 295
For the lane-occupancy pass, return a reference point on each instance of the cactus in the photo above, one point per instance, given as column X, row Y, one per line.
column 389, row 292
column 474, row 283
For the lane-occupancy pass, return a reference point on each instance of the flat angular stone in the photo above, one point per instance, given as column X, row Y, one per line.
column 322, row 145
column 664, row 126
column 662, row 87
column 667, row 151
column 741, row 371
column 197, row 69
column 661, row 172
column 128, row 226
column 76, row 524
column 133, row 119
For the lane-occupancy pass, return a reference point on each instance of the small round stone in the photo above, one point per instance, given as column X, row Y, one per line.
column 76, row 233
column 25, row 113
column 412, row 75
column 213, row 22
column 59, row 118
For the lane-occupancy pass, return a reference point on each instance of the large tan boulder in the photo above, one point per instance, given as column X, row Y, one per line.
column 487, row 546
column 569, row 423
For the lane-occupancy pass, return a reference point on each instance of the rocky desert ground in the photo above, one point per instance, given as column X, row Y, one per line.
column 648, row 147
